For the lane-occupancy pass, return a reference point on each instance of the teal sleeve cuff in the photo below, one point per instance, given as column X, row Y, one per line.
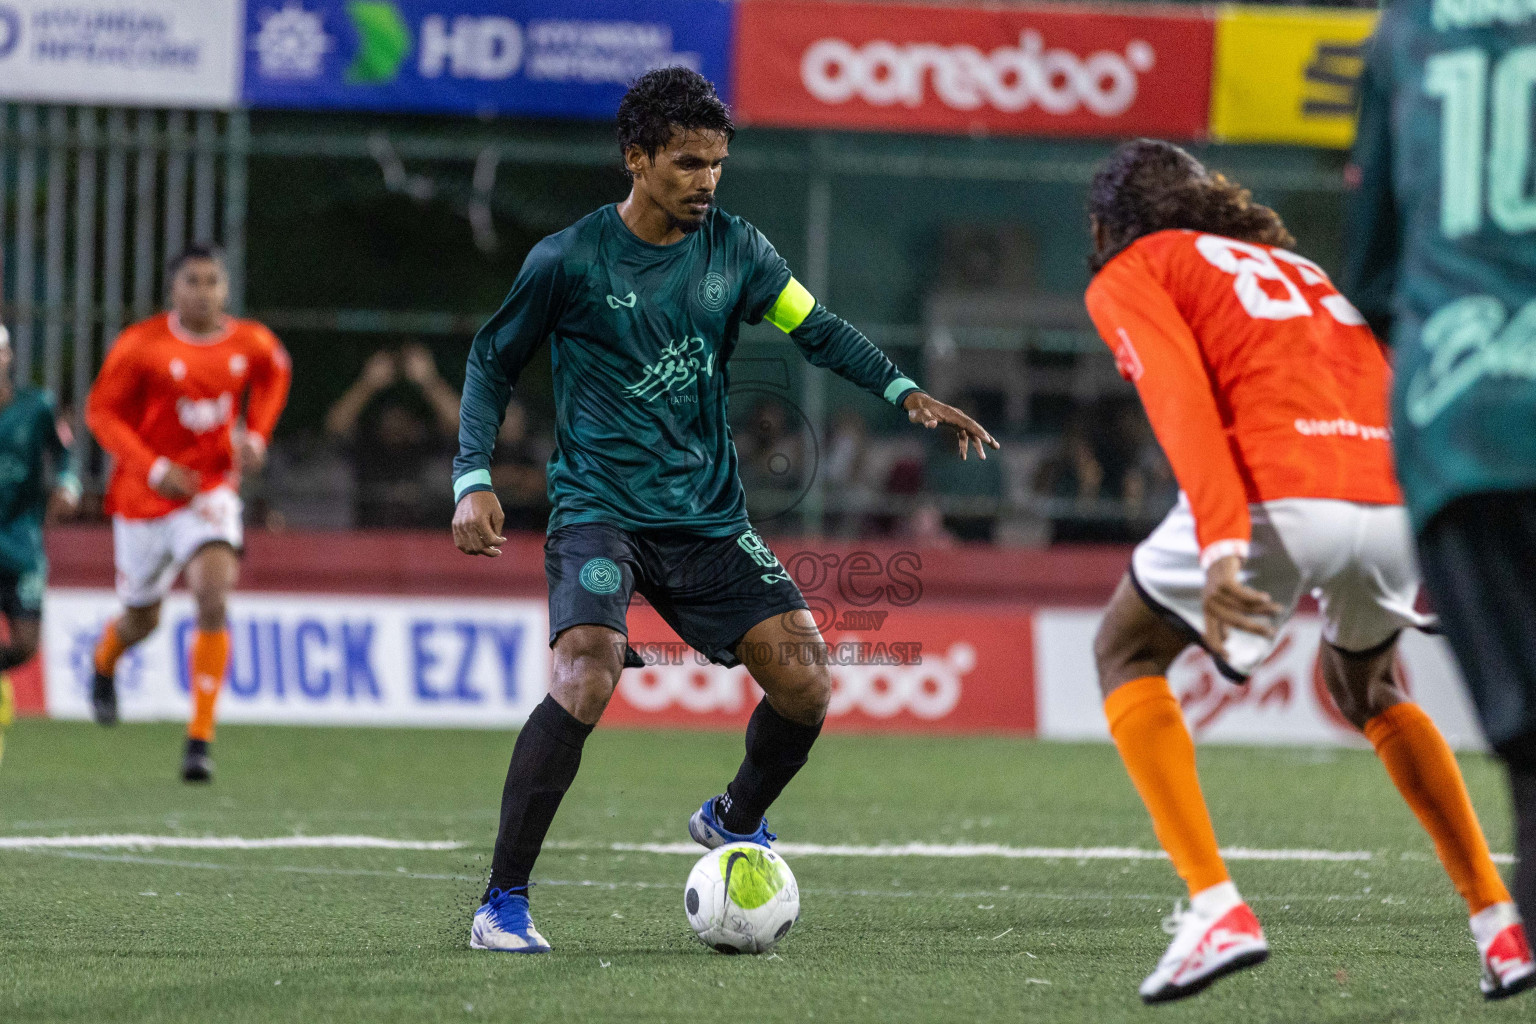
column 474, row 480
column 69, row 482
column 899, row 389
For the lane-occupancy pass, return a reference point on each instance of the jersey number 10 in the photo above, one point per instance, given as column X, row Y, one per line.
column 1460, row 79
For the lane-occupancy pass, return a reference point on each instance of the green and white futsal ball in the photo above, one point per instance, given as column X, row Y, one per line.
column 741, row 898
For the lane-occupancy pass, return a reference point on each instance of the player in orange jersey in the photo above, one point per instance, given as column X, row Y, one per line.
column 1269, row 395
column 168, row 405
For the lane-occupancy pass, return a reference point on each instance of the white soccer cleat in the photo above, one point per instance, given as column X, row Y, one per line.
column 1219, row 934
column 502, row 924
column 1508, row 967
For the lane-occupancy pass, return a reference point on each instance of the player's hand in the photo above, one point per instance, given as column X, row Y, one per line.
column 63, row 502
column 1230, row 604
column 251, row 451
column 477, row 524
column 379, row 371
column 927, row 411
column 177, row 483
column 417, row 365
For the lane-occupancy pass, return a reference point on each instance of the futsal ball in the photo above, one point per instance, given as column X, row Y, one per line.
column 741, row 898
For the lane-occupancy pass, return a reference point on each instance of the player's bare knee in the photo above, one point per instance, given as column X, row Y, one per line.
column 138, row 623
column 806, row 698
column 586, row 670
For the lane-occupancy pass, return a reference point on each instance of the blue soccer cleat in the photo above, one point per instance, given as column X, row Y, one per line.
column 502, row 923
column 707, row 831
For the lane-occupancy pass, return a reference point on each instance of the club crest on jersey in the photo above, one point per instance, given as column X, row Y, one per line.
column 178, row 370
column 200, row 415
column 680, row 364
column 713, row 293
column 237, row 365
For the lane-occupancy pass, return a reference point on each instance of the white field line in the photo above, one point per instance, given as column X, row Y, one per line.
column 141, row 842
column 934, row 850
column 966, row 850
column 1004, row 893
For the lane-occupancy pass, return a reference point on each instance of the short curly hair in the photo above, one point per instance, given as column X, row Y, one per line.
column 667, row 100
column 1149, row 185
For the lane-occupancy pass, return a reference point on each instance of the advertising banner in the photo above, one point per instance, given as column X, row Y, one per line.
column 1289, row 76
column 315, row 660
column 1285, row 701
column 172, row 53
column 909, row 670
column 1014, row 70
column 565, row 58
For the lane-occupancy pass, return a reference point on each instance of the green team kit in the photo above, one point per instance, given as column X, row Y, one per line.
column 29, row 439
column 1442, row 260
column 642, row 335
column 1441, row 241
column 644, row 477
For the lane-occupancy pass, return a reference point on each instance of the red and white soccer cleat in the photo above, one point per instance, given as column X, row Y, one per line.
column 1508, row 967
column 1219, row 934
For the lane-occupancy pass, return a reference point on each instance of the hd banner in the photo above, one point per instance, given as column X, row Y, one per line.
column 1288, row 75
column 172, row 53
column 962, row 70
column 557, row 58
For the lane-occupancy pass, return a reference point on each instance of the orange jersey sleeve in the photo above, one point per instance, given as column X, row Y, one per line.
column 271, row 375
column 1156, row 350
column 115, row 405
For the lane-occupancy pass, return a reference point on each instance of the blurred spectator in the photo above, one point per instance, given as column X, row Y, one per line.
column 518, row 472
column 925, row 526
column 770, row 448
column 1108, row 475
column 400, row 420
column 844, row 466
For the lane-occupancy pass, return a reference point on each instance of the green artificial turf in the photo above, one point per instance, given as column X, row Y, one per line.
column 377, row 935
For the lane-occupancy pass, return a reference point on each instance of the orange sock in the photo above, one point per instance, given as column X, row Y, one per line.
column 1154, row 743
column 109, row 649
column 1425, row 772
column 210, row 657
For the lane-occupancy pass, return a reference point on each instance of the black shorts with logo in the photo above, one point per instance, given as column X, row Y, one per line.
column 711, row 590
column 21, row 594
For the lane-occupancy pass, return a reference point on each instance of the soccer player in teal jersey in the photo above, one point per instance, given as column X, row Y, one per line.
column 29, row 442
column 1442, row 260
column 643, row 301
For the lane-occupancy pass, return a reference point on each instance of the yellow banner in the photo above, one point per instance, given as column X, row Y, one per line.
column 1287, row 75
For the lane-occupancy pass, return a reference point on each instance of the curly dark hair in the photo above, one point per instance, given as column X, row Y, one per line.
column 1149, row 185
column 668, row 99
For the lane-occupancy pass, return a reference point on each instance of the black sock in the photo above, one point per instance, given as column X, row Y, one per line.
column 1522, row 785
column 776, row 749
column 544, row 763
column 11, row 656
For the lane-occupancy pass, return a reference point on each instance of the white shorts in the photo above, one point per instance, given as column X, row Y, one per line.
column 150, row 553
column 1356, row 559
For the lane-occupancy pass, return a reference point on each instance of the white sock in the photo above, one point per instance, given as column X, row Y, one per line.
column 1216, row 900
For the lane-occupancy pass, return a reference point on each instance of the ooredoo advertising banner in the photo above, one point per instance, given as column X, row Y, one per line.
column 903, row 669
column 562, row 58
column 1015, row 70
column 175, row 53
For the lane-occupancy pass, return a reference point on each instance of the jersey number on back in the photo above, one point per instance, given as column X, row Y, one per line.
column 1253, row 265
column 1472, row 147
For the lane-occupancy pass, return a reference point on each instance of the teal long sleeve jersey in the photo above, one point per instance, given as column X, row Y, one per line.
column 29, row 441
column 1441, row 241
column 641, row 339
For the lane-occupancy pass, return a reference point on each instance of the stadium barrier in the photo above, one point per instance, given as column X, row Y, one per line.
column 400, row 629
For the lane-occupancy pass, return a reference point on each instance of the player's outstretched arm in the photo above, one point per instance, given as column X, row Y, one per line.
column 928, row 411
column 477, row 523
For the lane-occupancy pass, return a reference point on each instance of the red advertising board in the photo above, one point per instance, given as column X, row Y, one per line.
column 957, row 70
column 914, row 669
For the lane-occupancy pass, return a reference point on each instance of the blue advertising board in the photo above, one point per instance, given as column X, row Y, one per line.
column 557, row 58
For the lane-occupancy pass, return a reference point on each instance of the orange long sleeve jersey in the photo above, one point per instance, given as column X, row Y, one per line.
column 163, row 394
column 1260, row 380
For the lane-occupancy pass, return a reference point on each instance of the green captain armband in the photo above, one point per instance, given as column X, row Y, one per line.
column 474, row 480
column 791, row 308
